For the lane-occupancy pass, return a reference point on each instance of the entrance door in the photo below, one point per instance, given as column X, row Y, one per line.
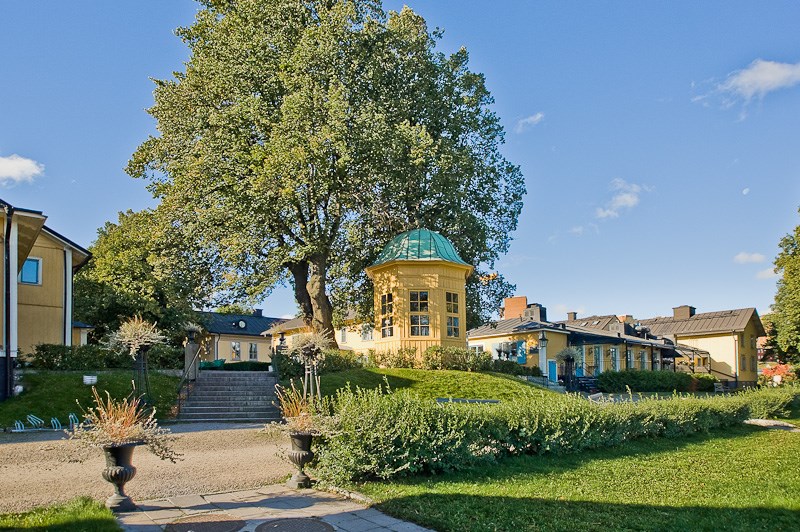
column 552, row 371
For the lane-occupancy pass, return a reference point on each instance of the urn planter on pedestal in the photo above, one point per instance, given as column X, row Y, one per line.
column 300, row 454
column 119, row 471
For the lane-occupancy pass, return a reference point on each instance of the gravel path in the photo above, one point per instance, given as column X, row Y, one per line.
column 44, row 468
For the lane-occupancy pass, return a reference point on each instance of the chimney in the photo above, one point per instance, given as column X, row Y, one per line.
column 257, row 312
column 626, row 318
column 572, row 316
column 536, row 312
column 514, row 307
column 684, row 312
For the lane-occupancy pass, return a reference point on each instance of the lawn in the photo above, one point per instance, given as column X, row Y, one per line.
column 431, row 384
column 741, row 479
column 81, row 514
column 53, row 393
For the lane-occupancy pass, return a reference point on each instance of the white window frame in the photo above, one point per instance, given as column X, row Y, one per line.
column 251, row 351
column 38, row 272
column 236, row 350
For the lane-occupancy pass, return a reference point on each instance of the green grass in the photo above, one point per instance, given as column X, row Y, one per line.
column 430, row 384
column 744, row 479
column 82, row 514
column 53, row 393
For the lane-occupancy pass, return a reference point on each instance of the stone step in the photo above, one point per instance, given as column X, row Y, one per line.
column 258, row 375
column 218, row 409
column 217, row 416
column 231, row 419
column 193, row 401
column 233, row 393
column 229, row 388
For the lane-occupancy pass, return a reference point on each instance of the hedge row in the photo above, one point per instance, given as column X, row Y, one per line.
column 83, row 357
column 380, row 436
column 654, row 381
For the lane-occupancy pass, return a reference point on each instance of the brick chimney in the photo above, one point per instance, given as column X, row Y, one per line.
column 514, row 307
column 684, row 312
column 572, row 316
column 536, row 312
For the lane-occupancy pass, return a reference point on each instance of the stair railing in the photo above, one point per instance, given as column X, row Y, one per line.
column 185, row 386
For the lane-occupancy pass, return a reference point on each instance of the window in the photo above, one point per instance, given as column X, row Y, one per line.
column 741, row 340
column 343, row 335
column 236, row 351
column 420, row 325
column 452, row 302
column 31, row 272
column 386, row 304
column 642, row 359
column 419, row 301
column 476, row 348
column 387, row 327
column 628, row 359
column 613, row 352
column 452, row 327
column 742, row 363
column 253, row 351
column 754, row 363
column 752, row 342
column 366, row 332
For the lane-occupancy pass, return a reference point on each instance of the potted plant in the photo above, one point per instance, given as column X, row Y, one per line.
column 300, row 412
column 137, row 335
column 118, row 427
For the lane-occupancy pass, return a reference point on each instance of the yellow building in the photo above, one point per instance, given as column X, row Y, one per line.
column 723, row 343
column 352, row 336
column 420, row 297
column 237, row 337
column 37, row 269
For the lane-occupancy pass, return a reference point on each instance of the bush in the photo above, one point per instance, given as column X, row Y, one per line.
column 286, row 366
column 247, row 365
column 512, row 368
column 62, row 357
column 339, row 360
column 644, row 381
column 457, row 358
column 374, row 435
column 405, row 357
column 703, row 382
column 165, row 357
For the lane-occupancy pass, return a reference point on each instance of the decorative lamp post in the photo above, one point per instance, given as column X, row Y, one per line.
column 543, row 353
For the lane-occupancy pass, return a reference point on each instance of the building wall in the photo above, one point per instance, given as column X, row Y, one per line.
column 437, row 278
column 353, row 340
column 41, row 307
column 219, row 346
column 556, row 342
column 732, row 354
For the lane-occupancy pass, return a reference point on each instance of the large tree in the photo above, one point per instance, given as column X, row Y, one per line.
column 302, row 136
column 786, row 310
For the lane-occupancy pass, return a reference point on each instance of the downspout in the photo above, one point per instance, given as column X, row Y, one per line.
column 8, row 375
column 736, row 357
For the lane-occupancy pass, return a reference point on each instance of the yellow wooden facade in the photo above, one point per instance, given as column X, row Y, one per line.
column 224, row 346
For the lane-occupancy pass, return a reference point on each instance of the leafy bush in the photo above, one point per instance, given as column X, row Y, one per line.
column 247, row 365
column 339, row 360
column 703, row 382
column 777, row 375
column 405, row 357
column 513, row 368
column 457, row 358
column 644, row 381
column 374, row 435
column 286, row 366
column 165, row 357
column 62, row 357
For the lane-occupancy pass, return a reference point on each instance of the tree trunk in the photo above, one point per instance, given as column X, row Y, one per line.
column 322, row 320
column 299, row 271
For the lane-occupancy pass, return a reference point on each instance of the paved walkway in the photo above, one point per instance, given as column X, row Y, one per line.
column 272, row 508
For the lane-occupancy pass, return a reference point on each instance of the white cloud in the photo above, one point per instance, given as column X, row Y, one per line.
column 760, row 78
column 747, row 258
column 15, row 169
column 577, row 230
column 745, row 191
column 626, row 197
column 528, row 122
column 769, row 273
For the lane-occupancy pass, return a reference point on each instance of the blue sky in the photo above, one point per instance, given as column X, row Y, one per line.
column 660, row 142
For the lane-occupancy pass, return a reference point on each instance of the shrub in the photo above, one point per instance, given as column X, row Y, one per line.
column 777, row 375
column 247, row 365
column 512, row 368
column 339, row 360
column 703, row 382
column 62, row 357
column 644, row 381
column 456, row 358
column 165, row 357
column 286, row 366
column 374, row 435
column 405, row 357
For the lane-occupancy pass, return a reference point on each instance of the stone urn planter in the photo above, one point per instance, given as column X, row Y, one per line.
column 300, row 454
column 119, row 471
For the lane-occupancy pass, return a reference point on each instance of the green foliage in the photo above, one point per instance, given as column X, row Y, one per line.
column 405, row 357
column 286, row 366
column 339, row 360
column 53, row 393
column 84, row 357
column 644, row 381
column 703, row 382
column 513, row 368
column 246, row 365
column 786, row 309
column 376, row 435
column 80, row 514
column 457, row 358
column 234, row 308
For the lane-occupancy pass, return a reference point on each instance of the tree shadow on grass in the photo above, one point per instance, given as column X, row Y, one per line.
column 455, row 512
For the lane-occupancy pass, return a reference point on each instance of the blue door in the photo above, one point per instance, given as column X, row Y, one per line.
column 552, row 371
column 579, row 370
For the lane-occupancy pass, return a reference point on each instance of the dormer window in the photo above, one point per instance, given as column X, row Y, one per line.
column 241, row 324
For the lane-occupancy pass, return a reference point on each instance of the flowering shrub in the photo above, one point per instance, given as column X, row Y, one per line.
column 778, row 375
column 379, row 435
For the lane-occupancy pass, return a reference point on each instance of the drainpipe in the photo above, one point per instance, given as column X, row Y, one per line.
column 735, row 357
column 8, row 369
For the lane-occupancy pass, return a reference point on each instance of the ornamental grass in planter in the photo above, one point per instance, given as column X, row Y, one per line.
column 117, row 427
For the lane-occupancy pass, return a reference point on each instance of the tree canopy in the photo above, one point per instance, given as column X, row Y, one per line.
column 786, row 309
column 302, row 136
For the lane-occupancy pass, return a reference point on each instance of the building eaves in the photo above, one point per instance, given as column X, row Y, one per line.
column 723, row 321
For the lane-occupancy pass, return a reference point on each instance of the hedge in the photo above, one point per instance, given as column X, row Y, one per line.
column 372, row 435
column 654, row 381
column 83, row 357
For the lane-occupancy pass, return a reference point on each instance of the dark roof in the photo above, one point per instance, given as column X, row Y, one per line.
column 419, row 244
column 593, row 322
column 284, row 325
column 589, row 335
column 216, row 323
column 704, row 323
column 512, row 326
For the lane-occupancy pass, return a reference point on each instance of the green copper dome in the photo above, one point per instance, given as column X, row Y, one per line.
column 419, row 244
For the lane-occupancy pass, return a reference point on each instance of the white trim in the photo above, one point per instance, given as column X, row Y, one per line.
column 13, row 300
column 67, row 296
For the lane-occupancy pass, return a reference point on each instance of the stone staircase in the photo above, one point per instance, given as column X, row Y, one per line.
column 232, row 396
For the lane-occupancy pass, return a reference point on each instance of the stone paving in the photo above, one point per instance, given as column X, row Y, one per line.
column 272, row 508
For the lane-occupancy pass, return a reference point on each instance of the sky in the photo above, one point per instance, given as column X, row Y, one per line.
column 660, row 142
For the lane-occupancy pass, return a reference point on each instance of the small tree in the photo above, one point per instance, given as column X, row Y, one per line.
column 309, row 350
column 137, row 336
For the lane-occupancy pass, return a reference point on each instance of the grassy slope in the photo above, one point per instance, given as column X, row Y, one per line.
column 430, row 384
column 53, row 393
column 730, row 481
column 80, row 514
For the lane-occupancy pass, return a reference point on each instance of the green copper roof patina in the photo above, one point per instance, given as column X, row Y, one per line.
column 419, row 244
